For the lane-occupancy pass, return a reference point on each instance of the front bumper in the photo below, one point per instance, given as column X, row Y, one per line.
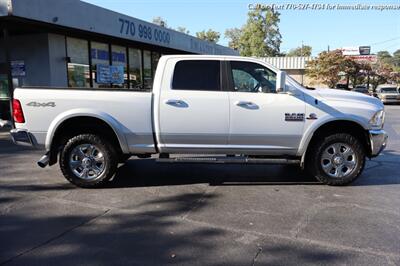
column 384, row 100
column 378, row 139
column 22, row 137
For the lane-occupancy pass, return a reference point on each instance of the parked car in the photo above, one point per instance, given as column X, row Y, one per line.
column 388, row 93
column 340, row 86
column 200, row 105
column 361, row 89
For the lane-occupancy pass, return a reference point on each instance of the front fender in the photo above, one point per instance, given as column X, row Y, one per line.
column 316, row 124
column 117, row 127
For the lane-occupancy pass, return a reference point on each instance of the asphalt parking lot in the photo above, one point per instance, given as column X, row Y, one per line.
column 154, row 214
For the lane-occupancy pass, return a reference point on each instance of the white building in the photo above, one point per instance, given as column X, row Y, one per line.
column 295, row 66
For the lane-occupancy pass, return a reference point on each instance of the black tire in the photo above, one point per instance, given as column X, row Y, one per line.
column 124, row 158
column 109, row 155
column 314, row 163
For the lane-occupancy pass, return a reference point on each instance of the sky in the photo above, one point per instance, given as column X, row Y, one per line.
column 317, row 28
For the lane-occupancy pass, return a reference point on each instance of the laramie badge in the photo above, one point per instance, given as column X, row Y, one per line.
column 294, row 116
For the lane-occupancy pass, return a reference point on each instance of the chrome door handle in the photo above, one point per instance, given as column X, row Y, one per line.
column 245, row 104
column 175, row 102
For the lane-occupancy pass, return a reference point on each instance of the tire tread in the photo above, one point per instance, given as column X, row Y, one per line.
column 110, row 153
column 313, row 164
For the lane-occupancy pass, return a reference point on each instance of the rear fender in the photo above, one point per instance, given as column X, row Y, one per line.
column 117, row 127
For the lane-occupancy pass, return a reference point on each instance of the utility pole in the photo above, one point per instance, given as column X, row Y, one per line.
column 301, row 50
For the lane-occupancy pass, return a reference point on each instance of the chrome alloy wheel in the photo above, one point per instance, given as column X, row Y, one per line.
column 338, row 160
column 87, row 162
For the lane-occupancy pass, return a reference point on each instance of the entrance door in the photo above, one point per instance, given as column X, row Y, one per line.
column 194, row 110
column 259, row 120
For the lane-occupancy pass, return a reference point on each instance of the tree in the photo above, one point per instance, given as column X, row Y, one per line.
column 385, row 57
column 260, row 35
column 304, row 50
column 396, row 59
column 355, row 71
column 234, row 37
column 395, row 77
column 183, row 30
column 160, row 22
column 380, row 74
column 210, row 35
column 327, row 67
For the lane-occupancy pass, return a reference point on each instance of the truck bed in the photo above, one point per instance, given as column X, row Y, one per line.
column 130, row 111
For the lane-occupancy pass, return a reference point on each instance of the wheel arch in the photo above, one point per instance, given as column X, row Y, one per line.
column 336, row 126
column 73, row 123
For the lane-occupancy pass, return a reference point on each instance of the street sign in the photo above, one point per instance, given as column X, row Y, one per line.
column 365, row 50
column 356, row 50
column 351, row 50
column 372, row 59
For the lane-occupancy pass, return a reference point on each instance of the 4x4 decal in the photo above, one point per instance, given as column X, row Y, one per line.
column 36, row 104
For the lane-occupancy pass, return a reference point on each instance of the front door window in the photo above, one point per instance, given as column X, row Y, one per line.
column 252, row 77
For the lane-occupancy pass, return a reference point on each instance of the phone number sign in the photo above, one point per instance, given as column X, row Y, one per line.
column 145, row 32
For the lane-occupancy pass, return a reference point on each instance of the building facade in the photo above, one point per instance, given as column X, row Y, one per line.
column 295, row 67
column 71, row 43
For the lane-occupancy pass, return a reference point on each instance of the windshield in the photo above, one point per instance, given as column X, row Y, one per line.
column 390, row 89
column 361, row 89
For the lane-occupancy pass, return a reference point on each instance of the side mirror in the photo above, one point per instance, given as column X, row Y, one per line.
column 280, row 81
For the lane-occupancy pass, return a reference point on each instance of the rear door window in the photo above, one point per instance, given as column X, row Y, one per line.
column 199, row 75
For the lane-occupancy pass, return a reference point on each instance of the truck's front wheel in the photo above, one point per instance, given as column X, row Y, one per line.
column 88, row 161
column 337, row 159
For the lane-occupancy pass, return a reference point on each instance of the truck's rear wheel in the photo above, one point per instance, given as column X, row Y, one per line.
column 88, row 161
column 337, row 159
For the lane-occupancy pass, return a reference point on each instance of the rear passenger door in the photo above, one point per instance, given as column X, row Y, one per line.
column 194, row 109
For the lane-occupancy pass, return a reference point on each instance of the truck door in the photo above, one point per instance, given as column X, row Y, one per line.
column 261, row 120
column 193, row 108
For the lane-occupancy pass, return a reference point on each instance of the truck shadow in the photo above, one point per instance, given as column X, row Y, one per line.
column 148, row 172
column 153, row 235
column 381, row 170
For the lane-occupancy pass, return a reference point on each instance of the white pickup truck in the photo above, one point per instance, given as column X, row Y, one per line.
column 233, row 109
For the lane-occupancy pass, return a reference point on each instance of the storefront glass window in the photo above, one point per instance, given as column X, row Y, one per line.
column 155, row 57
column 119, row 59
column 4, row 92
column 4, row 98
column 135, row 69
column 78, row 64
column 100, row 65
column 148, row 80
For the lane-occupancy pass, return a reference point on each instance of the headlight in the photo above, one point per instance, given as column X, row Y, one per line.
column 377, row 120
